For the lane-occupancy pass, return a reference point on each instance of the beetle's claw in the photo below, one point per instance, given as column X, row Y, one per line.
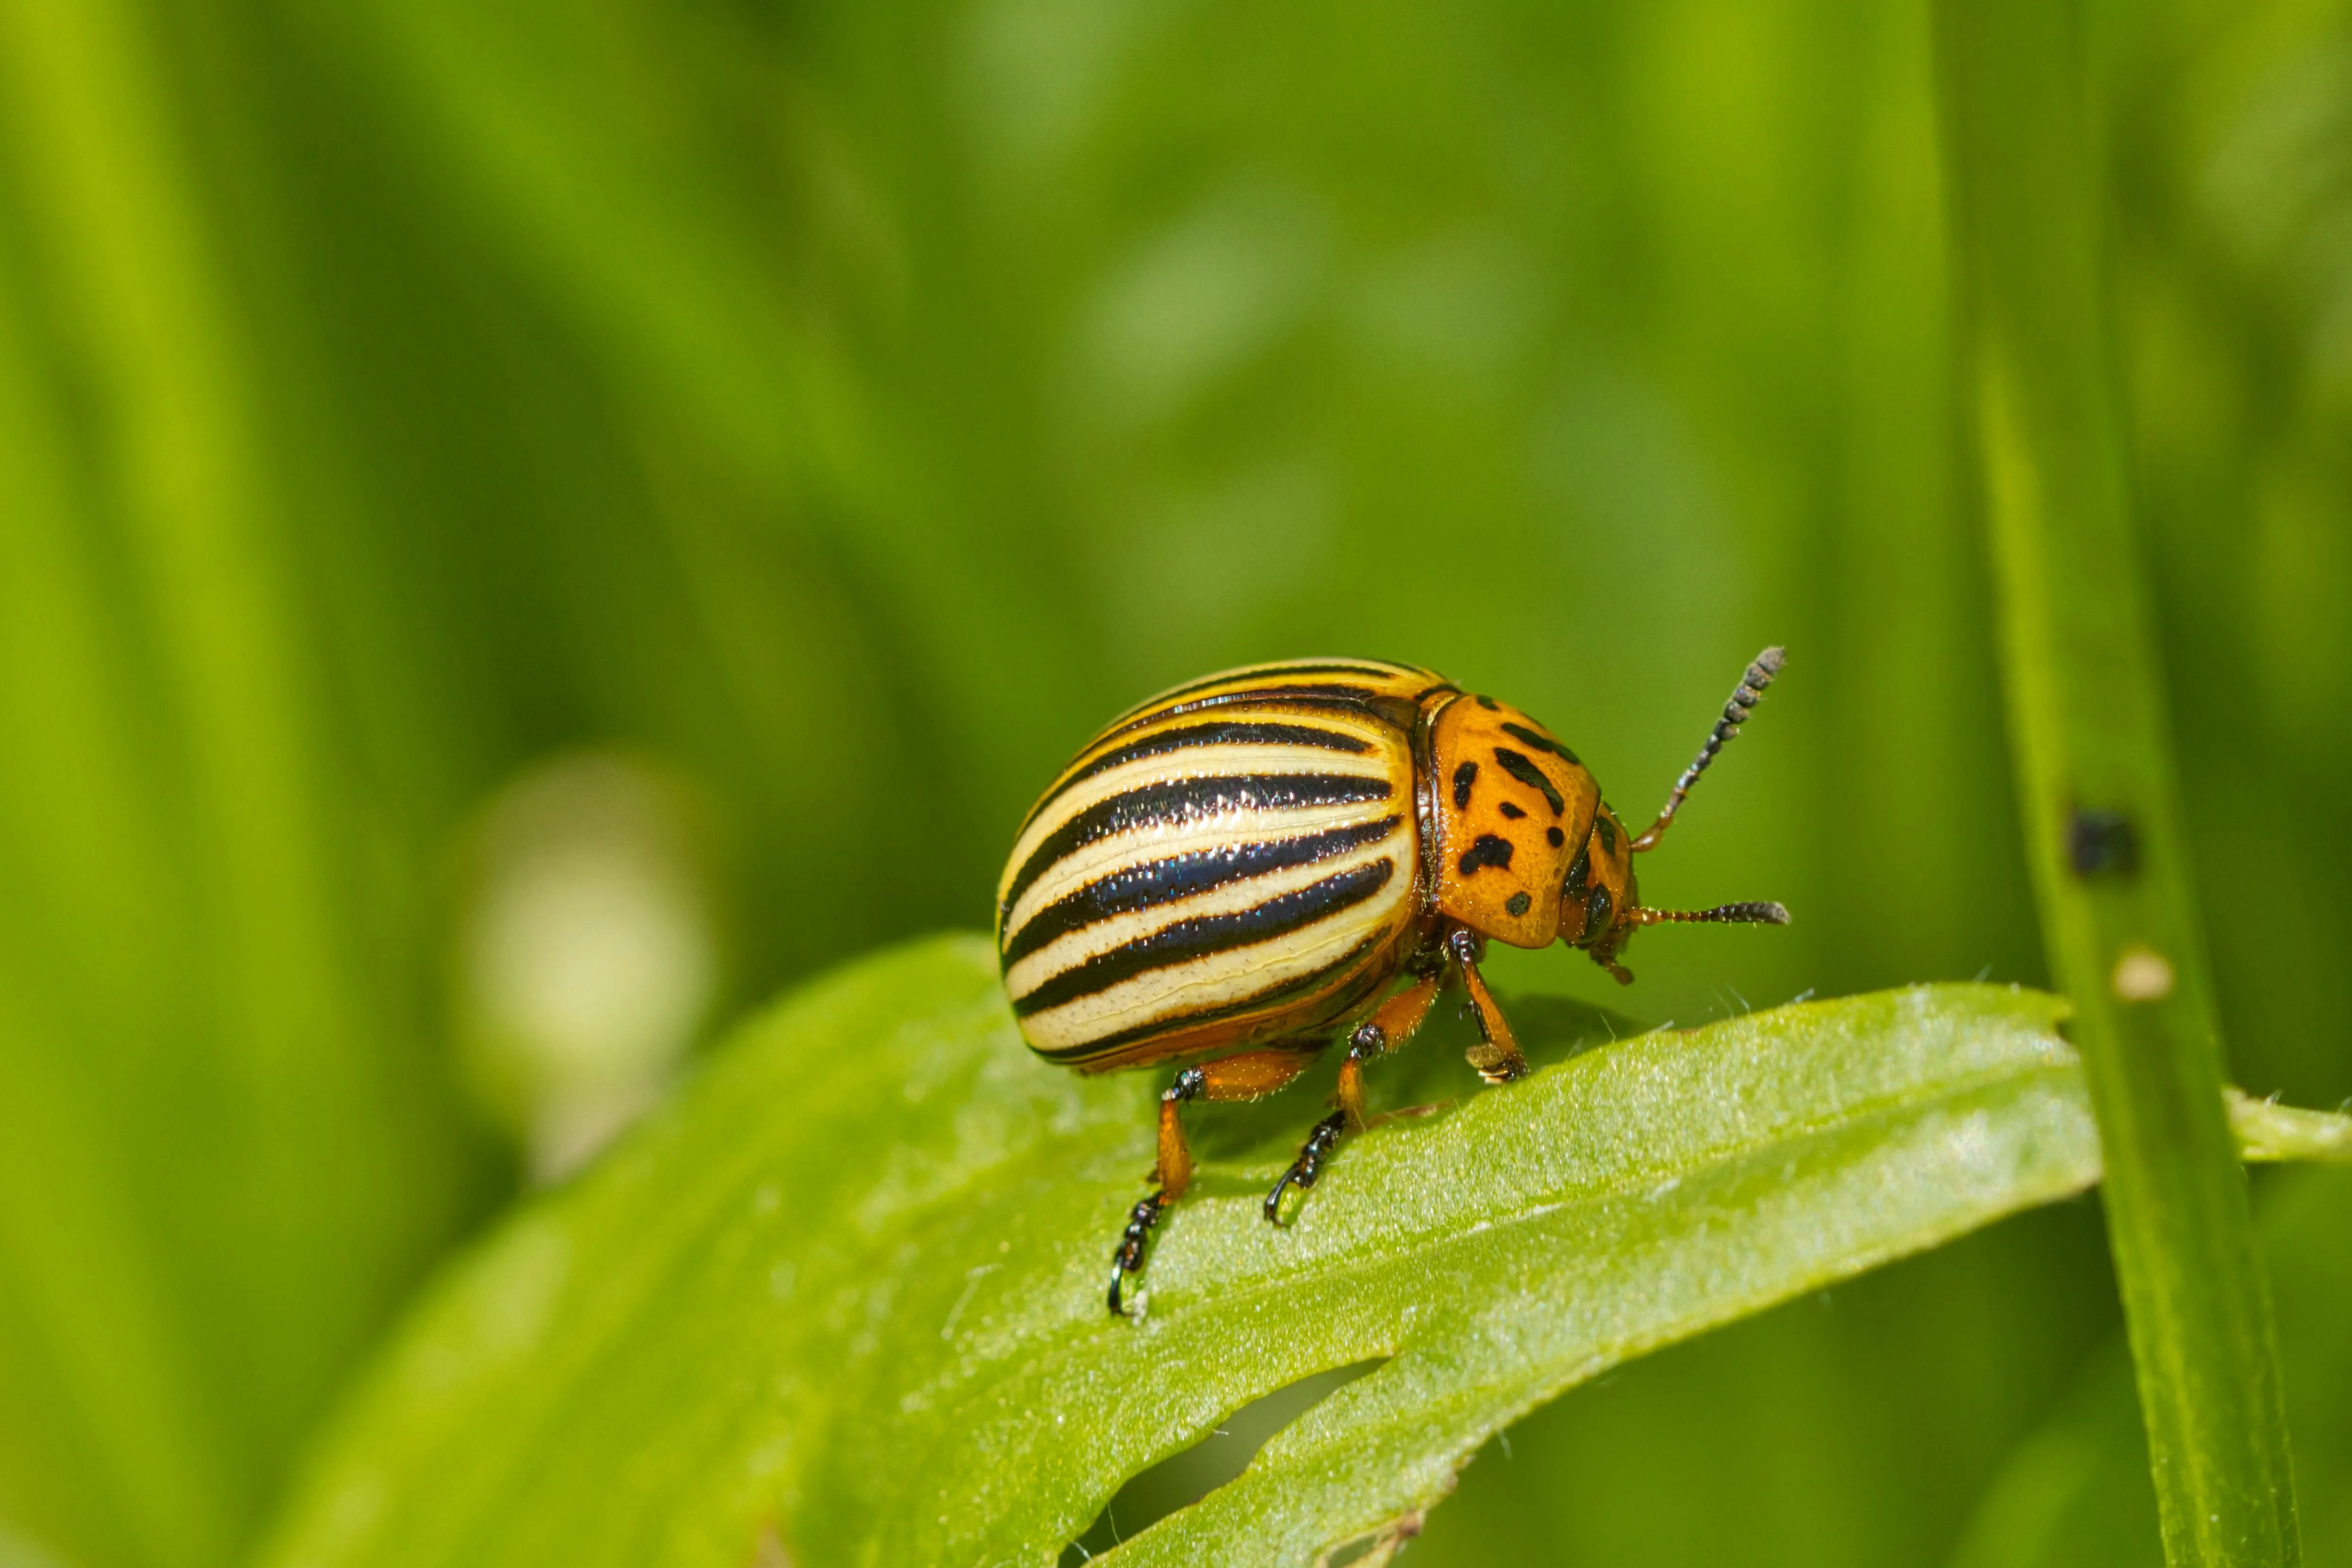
column 1128, row 1256
column 1308, row 1168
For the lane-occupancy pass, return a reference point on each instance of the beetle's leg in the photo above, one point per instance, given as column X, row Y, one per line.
column 1249, row 1076
column 1496, row 1055
column 1391, row 1025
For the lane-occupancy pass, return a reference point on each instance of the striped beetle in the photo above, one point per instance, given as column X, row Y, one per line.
column 1240, row 870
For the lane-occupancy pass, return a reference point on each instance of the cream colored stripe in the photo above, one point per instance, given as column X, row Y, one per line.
column 1237, row 761
column 1228, row 831
column 1218, row 979
column 1377, row 737
column 1079, row 946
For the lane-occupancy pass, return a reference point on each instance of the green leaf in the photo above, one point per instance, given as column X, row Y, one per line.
column 2076, row 1492
column 848, row 1290
column 2096, row 787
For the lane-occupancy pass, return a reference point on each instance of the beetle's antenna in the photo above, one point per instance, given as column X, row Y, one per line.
column 1734, row 713
column 1757, row 914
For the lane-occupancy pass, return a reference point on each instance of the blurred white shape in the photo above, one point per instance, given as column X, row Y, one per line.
column 588, row 950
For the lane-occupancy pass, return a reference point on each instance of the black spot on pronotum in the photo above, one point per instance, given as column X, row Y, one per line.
column 1597, row 910
column 1490, row 705
column 1464, row 777
column 1536, row 743
column 2102, row 844
column 1518, row 903
column 1555, row 838
column 1488, row 850
column 1511, row 810
column 1579, row 869
column 1517, row 765
column 1606, row 831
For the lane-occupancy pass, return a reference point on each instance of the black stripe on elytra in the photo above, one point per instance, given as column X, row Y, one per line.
column 1513, row 810
column 1173, row 802
column 1578, row 870
column 1608, row 832
column 1464, row 777
column 1527, row 773
column 1395, row 711
column 1226, row 732
column 1488, row 850
column 1180, row 941
column 1536, row 743
column 1156, row 882
column 1555, row 838
column 1275, row 995
column 1278, row 672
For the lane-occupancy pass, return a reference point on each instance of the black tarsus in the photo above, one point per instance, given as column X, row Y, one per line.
column 1368, row 1042
column 1127, row 1257
column 1307, row 1169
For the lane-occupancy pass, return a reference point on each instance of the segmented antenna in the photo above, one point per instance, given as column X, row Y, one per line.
column 1755, row 914
column 1734, row 713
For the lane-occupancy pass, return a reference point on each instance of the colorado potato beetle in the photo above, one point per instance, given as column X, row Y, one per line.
column 1241, row 870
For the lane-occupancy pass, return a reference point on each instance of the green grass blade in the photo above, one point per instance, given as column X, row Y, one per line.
column 2094, row 761
column 2076, row 1493
column 848, row 1287
column 224, row 1158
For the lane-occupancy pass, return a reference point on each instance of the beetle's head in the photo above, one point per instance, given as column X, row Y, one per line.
column 1600, row 903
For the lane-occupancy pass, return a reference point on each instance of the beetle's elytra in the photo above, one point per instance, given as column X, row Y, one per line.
column 1243, row 869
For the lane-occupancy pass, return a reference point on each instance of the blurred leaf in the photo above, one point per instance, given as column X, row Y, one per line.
column 2077, row 1491
column 849, row 1288
column 225, row 1155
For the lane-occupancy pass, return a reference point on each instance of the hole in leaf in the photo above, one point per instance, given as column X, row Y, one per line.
column 1373, row 1550
column 1183, row 1480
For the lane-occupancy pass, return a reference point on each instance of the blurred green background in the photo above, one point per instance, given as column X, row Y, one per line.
column 525, row 528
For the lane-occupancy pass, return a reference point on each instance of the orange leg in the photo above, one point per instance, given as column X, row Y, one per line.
column 1252, row 1075
column 1497, row 1055
column 1394, row 1023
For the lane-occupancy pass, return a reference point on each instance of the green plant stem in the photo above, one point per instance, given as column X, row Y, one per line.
column 2095, row 777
